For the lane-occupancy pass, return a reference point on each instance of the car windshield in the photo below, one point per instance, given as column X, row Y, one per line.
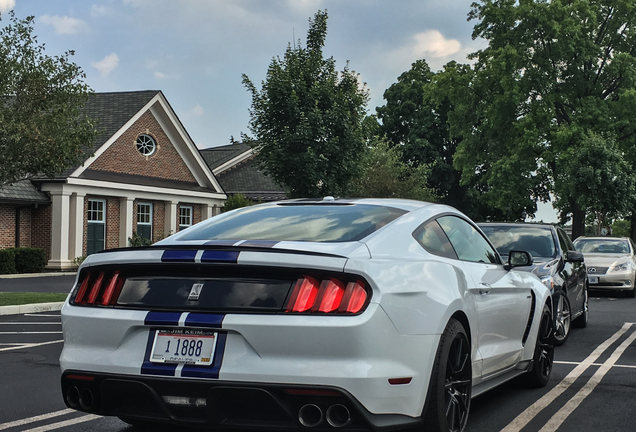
column 538, row 241
column 296, row 222
column 608, row 246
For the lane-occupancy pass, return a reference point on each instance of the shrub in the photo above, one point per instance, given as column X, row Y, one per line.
column 30, row 260
column 236, row 201
column 136, row 240
column 7, row 261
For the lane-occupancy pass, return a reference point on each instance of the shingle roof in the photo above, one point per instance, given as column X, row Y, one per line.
column 246, row 178
column 217, row 156
column 111, row 111
column 22, row 192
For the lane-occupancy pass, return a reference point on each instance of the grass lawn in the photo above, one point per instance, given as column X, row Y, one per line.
column 11, row 299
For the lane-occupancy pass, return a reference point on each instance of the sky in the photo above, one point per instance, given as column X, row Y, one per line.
column 195, row 51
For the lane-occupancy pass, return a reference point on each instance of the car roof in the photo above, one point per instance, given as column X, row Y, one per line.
column 529, row 224
column 403, row 204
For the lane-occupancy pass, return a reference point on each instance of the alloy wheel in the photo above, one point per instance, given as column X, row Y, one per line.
column 458, row 384
column 562, row 319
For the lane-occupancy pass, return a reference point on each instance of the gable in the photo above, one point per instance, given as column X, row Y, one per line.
column 123, row 157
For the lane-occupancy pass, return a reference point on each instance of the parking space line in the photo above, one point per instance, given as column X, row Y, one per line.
column 30, row 323
column 30, row 345
column 22, row 422
column 62, row 424
column 595, row 364
column 44, row 332
column 40, row 315
column 558, row 419
column 531, row 412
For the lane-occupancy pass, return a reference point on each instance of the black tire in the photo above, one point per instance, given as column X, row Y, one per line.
column 562, row 317
column 581, row 320
column 451, row 382
column 543, row 357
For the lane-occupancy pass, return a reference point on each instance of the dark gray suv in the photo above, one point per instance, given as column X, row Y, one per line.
column 556, row 262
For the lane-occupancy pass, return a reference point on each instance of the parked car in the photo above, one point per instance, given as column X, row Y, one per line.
column 610, row 261
column 306, row 314
column 556, row 262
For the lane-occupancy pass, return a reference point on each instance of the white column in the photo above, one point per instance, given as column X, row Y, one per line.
column 207, row 211
column 60, row 215
column 125, row 220
column 76, row 226
column 170, row 214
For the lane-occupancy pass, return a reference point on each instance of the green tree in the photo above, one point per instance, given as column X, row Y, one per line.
column 42, row 128
column 415, row 118
column 307, row 119
column 594, row 176
column 385, row 175
column 553, row 73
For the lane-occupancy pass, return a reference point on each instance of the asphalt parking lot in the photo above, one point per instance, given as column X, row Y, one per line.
column 592, row 388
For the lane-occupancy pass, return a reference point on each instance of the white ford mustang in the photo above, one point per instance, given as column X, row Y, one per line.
column 309, row 314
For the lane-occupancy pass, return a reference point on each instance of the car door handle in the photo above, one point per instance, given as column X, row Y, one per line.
column 484, row 288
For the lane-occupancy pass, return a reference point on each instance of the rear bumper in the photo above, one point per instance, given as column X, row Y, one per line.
column 224, row 405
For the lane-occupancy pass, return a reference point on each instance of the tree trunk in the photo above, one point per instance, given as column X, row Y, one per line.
column 632, row 231
column 578, row 223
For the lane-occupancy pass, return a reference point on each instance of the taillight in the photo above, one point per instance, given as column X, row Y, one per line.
column 327, row 296
column 99, row 288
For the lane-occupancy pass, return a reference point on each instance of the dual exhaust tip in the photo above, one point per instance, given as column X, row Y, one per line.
column 311, row 415
column 80, row 398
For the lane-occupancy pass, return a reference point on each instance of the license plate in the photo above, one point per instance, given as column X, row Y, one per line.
column 593, row 279
column 183, row 346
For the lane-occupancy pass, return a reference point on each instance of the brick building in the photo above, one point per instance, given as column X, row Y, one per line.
column 145, row 175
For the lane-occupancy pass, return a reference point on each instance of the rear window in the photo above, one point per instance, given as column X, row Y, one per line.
column 296, row 222
column 538, row 241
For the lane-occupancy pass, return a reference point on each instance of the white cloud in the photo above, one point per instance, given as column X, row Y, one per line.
column 64, row 24
column 98, row 11
column 161, row 75
column 432, row 42
column 197, row 111
column 6, row 5
column 107, row 64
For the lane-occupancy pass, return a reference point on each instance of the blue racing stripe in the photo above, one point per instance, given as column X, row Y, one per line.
column 204, row 320
column 178, row 256
column 211, row 371
column 162, row 318
column 220, row 256
column 150, row 368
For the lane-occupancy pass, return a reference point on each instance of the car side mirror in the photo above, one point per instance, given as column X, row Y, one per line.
column 574, row 256
column 519, row 259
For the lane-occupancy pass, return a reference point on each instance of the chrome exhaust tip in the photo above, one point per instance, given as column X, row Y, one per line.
column 86, row 399
column 338, row 416
column 73, row 397
column 310, row 415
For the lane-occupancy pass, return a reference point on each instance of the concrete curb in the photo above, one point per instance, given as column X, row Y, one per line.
column 30, row 308
column 31, row 275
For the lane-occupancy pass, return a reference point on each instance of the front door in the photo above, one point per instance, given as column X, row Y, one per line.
column 96, row 233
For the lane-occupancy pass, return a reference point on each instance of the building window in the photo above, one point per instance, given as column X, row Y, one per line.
column 144, row 220
column 96, row 230
column 146, row 145
column 185, row 217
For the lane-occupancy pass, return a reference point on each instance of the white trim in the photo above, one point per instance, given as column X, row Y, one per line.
column 150, row 224
column 105, row 186
column 189, row 207
column 234, row 161
column 114, row 137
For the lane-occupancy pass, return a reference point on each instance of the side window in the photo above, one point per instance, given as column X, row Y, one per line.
column 564, row 241
column 468, row 243
column 432, row 238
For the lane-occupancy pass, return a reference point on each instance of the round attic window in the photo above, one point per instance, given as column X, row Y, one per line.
column 146, row 145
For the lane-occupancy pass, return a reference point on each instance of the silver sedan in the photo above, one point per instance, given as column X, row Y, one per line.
column 610, row 261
